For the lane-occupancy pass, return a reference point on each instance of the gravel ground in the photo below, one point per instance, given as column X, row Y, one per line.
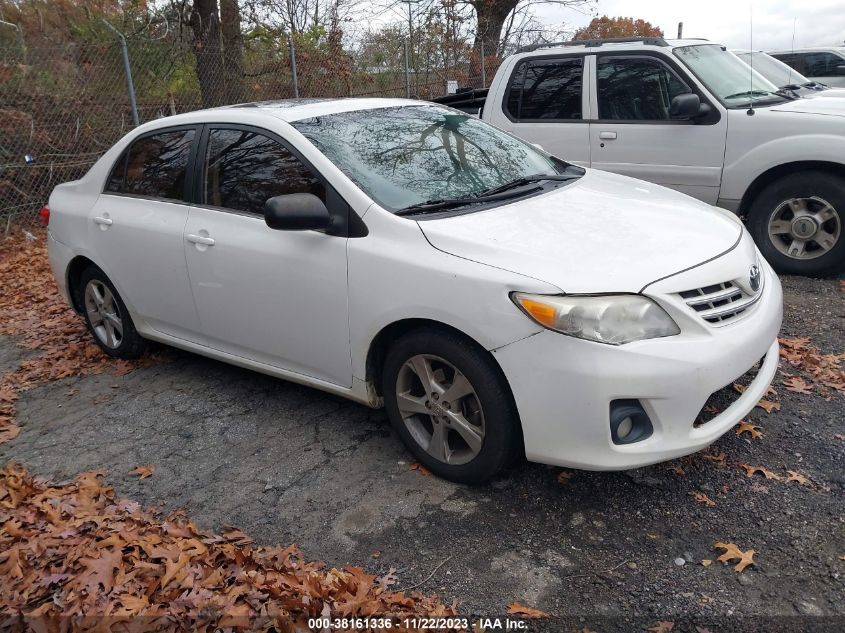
column 606, row 551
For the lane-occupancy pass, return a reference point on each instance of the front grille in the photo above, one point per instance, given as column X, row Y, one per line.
column 720, row 303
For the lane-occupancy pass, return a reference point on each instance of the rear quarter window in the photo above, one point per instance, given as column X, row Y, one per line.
column 154, row 166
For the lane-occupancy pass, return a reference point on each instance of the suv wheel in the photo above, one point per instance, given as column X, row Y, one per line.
column 451, row 405
column 106, row 315
column 797, row 222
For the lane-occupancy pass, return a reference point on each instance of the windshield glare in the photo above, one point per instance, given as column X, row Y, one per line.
column 774, row 70
column 726, row 76
column 407, row 155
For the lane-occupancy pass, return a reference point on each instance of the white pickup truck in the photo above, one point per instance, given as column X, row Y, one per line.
column 686, row 114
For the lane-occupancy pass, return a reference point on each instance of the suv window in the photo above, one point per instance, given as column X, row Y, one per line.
column 243, row 169
column 820, row 64
column 155, row 166
column 638, row 88
column 546, row 89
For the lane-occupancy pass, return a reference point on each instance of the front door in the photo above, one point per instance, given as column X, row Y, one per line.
column 276, row 297
column 135, row 230
column 634, row 135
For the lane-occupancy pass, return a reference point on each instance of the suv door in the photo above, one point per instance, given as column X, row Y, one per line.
column 135, row 229
column 634, row 135
column 276, row 297
column 544, row 103
column 824, row 67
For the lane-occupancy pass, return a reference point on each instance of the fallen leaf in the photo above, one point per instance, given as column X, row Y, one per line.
column 739, row 388
column 839, row 436
column 677, row 469
column 842, row 557
column 752, row 429
column 706, row 562
column 522, row 611
column 717, row 458
column 797, row 384
column 143, row 471
column 768, row 405
column 751, row 470
column 662, row 626
column 796, row 476
column 732, row 552
column 703, row 498
column 422, row 470
column 376, row 554
column 564, row 476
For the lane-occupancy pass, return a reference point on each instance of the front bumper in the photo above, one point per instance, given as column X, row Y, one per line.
column 563, row 387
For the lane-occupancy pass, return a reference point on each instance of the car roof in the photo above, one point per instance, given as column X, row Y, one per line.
column 610, row 45
column 287, row 110
column 809, row 49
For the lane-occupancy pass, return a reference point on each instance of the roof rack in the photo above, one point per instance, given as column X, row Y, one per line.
column 646, row 41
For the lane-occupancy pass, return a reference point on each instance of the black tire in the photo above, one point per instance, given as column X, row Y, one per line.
column 801, row 185
column 129, row 344
column 502, row 440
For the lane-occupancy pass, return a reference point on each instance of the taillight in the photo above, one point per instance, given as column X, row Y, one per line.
column 44, row 214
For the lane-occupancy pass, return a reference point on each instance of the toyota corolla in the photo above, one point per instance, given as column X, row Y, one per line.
column 496, row 300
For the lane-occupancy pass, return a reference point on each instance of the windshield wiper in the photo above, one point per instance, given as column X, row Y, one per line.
column 430, row 206
column 525, row 180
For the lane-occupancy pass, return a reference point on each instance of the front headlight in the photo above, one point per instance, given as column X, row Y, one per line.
column 612, row 319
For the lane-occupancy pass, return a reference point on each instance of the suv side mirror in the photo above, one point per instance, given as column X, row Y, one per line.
column 296, row 212
column 685, row 106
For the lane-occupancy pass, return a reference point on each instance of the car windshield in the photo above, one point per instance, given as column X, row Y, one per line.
column 773, row 69
column 409, row 155
column 727, row 77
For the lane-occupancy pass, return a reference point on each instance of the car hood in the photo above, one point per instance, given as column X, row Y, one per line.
column 601, row 233
column 832, row 105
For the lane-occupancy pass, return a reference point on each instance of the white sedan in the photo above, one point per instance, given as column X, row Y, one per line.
column 496, row 300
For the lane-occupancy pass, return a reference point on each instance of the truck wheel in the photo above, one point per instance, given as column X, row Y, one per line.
column 796, row 222
column 451, row 406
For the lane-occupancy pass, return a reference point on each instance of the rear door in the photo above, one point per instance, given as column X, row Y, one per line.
column 276, row 297
column 634, row 135
column 544, row 103
column 136, row 226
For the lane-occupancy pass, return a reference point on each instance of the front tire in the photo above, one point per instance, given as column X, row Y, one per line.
column 106, row 316
column 451, row 405
column 797, row 223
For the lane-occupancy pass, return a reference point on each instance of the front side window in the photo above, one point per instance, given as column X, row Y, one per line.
column 407, row 155
column 636, row 88
column 244, row 169
column 546, row 89
column 821, row 64
column 155, row 166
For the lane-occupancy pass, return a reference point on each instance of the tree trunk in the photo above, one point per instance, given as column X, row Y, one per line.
column 208, row 52
column 491, row 16
column 233, row 43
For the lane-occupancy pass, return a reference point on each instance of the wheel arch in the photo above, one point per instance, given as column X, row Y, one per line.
column 774, row 173
column 74, row 272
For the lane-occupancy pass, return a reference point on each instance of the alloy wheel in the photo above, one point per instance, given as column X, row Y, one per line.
column 440, row 409
column 804, row 228
column 103, row 314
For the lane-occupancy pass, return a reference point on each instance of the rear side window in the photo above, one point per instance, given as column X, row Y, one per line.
column 546, row 89
column 154, row 166
column 243, row 169
column 821, row 64
column 636, row 88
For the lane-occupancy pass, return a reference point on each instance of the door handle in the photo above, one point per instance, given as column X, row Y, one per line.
column 103, row 221
column 199, row 239
column 607, row 136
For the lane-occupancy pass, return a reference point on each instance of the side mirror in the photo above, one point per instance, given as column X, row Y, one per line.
column 685, row 106
column 840, row 69
column 296, row 212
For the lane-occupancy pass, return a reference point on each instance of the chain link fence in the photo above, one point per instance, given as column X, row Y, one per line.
column 62, row 106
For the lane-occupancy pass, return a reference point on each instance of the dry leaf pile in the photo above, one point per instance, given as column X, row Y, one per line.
column 77, row 552
column 824, row 370
column 32, row 311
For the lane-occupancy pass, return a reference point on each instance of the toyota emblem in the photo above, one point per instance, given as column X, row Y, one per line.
column 754, row 278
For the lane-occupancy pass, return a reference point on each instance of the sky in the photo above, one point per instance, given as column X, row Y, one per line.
column 817, row 22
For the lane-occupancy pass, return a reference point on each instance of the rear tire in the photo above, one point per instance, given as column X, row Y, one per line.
column 460, row 420
column 106, row 316
column 797, row 223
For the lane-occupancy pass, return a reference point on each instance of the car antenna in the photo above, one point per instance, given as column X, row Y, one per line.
column 751, row 66
column 789, row 77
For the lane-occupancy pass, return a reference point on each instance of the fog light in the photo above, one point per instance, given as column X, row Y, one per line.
column 629, row 422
